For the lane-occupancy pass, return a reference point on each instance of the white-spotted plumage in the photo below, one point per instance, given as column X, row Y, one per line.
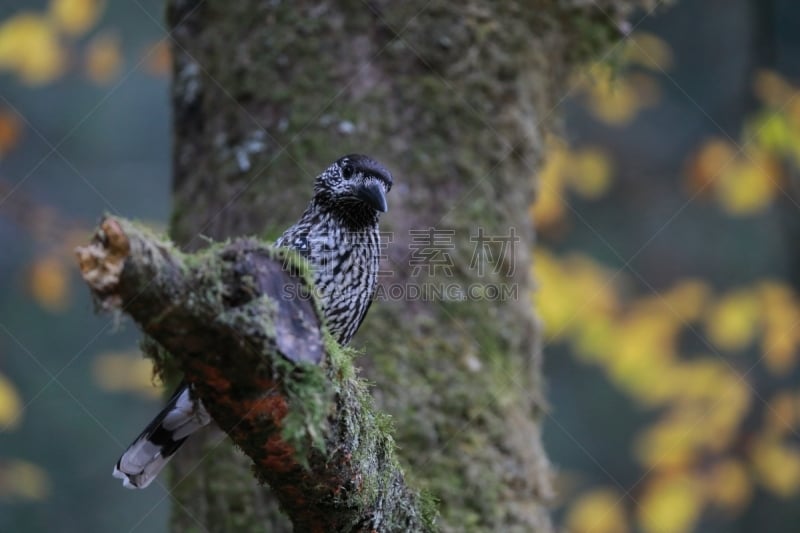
column 338, row 234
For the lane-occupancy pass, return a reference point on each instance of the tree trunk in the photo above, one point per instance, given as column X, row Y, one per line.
column 455, row 100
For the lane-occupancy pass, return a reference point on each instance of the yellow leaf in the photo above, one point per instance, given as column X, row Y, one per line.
column 773, row 133
column 733, row 321
column 48, row 283
column 30, row 47
column 10, row 404
column 708, row 404
column 700, row 378
column 777, row 294
column 777, row 466
column 589, row 172
column 781, row 355
column 548, row 209
column 592, row 284
column 595, row 339
column 713, row 159
column 572, row 292
column 103, row 58
column 547, row 273
column 781, row 317
column 598, row 511
column 616, row 99
column 726, row 411
column 671, row 505
column 23, row 480
column 125, row 372
column 650, row 332
column 748, row 186
column 729, row 485
column 640, row 377
column 555, row 312
column 613, row 102
column 646, row 347
column 649, row 50
column 75, row 17
column 672, row 443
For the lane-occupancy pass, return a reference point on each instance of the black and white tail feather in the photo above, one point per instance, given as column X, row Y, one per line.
column 338, row 234
column 150, row 452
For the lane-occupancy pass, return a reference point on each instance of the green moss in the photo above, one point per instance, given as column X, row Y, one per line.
column 165, row 366
column 309, row 397
column 593, row 32
column 429, row 507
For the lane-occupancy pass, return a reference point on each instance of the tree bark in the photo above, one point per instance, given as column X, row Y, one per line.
column 455, row 98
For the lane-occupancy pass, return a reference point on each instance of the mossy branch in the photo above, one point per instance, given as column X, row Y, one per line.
column 239, row 322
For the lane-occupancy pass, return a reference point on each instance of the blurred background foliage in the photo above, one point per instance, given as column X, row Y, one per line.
column 84, row 121
column 667, row 265
column 667, row 268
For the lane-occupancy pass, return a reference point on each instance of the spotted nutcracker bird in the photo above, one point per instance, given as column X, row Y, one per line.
column 338, row 235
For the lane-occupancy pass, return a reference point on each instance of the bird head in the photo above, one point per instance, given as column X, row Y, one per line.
column 354, row 183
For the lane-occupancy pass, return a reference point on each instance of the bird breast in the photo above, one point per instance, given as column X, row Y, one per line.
column 345, row 265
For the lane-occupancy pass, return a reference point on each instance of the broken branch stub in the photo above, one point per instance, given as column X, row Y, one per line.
column 260, row 292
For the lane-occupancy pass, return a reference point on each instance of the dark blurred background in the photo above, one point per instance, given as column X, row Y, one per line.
column 667, row 260
column 84, row 122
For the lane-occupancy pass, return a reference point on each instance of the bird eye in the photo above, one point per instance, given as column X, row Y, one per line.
column 347, row 171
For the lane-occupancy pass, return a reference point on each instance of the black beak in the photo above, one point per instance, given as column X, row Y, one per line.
column 372, row 193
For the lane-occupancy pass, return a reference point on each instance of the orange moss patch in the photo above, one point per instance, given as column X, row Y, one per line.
column 279, row 456
column 273, row 408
